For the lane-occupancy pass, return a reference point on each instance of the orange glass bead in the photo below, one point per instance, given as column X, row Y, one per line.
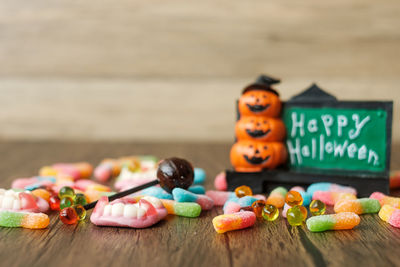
column 258, row 207
column 293, row 198
column 68, row 216
column 243, row 191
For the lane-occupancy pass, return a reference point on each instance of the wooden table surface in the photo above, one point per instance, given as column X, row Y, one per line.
column 178, row 241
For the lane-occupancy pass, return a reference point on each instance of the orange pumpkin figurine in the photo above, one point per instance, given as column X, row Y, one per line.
column 253, row 156
column 260, row 129
column 260, row 99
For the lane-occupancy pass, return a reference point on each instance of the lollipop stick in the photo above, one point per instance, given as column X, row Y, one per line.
column 123, row 193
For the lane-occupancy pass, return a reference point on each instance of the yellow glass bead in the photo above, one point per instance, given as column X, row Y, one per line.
column 270, row 212
column 258, row 207
column 296, row 215
column 293, row 198
column 243, row 191
column 317, row 207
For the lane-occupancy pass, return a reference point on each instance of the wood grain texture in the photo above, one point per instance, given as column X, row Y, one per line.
column 178, row 241
column 115, row 69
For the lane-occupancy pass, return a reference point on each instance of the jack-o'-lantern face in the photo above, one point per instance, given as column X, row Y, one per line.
column 260, row 128
column 260, row 102
column 256, row 153
column 253, row 156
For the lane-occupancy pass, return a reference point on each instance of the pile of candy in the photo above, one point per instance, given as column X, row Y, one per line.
column 66, row 188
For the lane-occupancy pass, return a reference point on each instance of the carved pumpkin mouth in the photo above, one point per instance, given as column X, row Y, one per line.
column 257, row 133
column 257, row 108
column 255, row 160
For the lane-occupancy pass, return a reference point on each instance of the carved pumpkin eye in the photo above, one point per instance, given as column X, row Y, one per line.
column 251, row 146
column 265, row 147
column 265, row 122
column 264, row 96
column 258, row 124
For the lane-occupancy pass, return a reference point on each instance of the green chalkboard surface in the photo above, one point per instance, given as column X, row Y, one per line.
column 336, row 138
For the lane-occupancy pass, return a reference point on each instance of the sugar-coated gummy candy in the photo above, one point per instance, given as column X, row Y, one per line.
column 330, row 198
column 229, row 222
column 80, row 211
column 54, row 202
column 184, row 209
column 358, row 206
column 330, row 187
column 182, row 195
column 270, row 212
column 197, row 189
column 390, row 215
column 43, row 193
column 199, row 176
column 66, row 202
column 68, row 216
column 339, row 221
column 157, row 192
column 277, row 197
column 219, row 197
column 220, row 182
column 243, row 191
column 386, row 200
column 28, row 220
column 296, row 215
column 80, row 199
column 293, row 198
column 66, row 191
column 257, row 207
column 317, row 207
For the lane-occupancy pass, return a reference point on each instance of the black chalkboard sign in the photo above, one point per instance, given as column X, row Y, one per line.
column 346, row 142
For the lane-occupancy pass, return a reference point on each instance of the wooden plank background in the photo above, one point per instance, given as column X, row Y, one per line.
column 156, row 70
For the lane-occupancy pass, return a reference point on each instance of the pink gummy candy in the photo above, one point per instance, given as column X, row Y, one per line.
column 220, row 182
column 219, row 197
column 231, row 207
column 122, row 212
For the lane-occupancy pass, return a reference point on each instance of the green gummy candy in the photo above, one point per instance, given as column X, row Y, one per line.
column 11, row 219
column 320, row 223
column 187, row 209
column 370, row 205
column 281, row 190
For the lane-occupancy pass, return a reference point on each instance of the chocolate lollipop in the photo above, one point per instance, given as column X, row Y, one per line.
column 171, row 173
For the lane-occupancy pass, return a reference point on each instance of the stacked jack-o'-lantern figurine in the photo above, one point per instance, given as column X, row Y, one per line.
column 259, row 131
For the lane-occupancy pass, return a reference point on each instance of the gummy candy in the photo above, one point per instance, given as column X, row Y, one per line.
column 331, row 187
column 66, row 202
column 199, row 176
column 220, row 182
column 235, row 204
column 54, row 202
column 122, row 212
column 235, row 221
column 277, row 197
column 43, row 193
column 390, row 215
column 358, row 206
column 197, row 189
column 293, row 198
column 258, row 207
column 243, row 191
column 24, row 219
column 330, row 198
column 317, row 207
column 270, row 212
column 66, row 191
column 386, row 200
column 68, row 216
column 296, row 215
column 339, row 221
column 80, row 211
column 182, row 195
column 185, row 209
column 80, row 199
